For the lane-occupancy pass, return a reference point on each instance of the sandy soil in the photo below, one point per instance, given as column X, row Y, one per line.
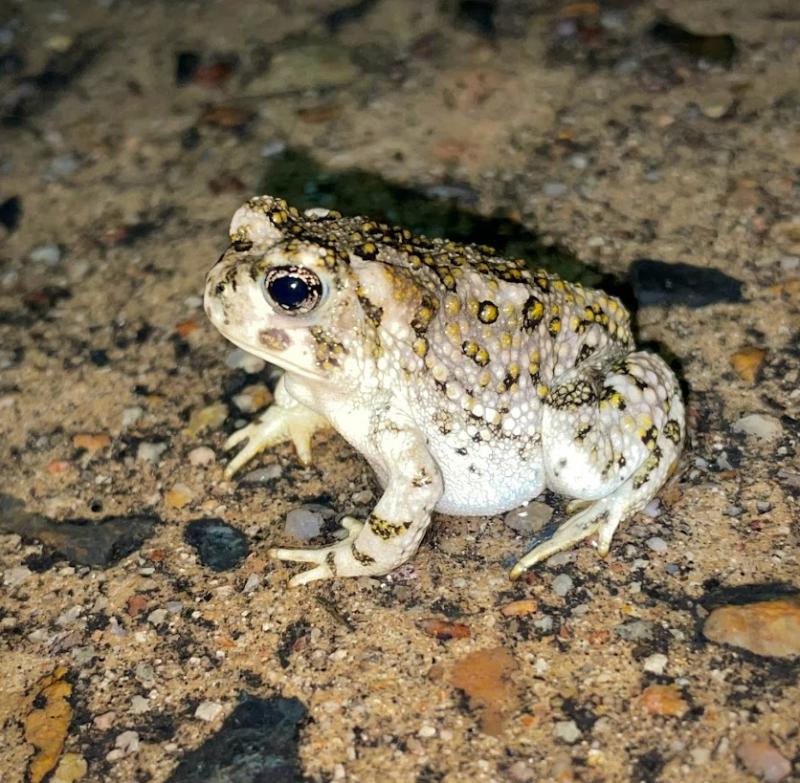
column 126, row 161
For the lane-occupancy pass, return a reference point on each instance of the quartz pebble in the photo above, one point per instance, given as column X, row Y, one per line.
column 150, row 452
column 763, row 759
column 635, row 630
column 241, row 360
column 13, row 577
column 759, row 425
column 130, row 416
column 202, row 457
column 562, row 584
column 567, row 730
column 655, row 663
column 49, row 254
column 139, row 705
column 208, row 710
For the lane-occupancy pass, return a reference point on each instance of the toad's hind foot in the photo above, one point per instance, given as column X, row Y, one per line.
column 600, row 517
column 331, row 560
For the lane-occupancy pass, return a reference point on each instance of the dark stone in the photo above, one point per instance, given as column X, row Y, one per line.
column 186, row 65
column 257, row 743
column 98, row 357
column 348, row 14
column 219, row 546
column 10, row 212
column 477, row 15
column 714, row 48
column 659, row 283
column 91, row 542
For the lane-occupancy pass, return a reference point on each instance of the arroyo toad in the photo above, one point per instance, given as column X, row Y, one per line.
column 468, row 382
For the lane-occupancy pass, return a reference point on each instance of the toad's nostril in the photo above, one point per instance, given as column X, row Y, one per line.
column 220, row 289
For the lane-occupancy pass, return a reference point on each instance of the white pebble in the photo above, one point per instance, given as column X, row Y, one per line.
column 150, row 452
column 241, row 360
column 208, row 710
column 567, row 730
column 562, row 584
column 127, row 742
column 49, row 254
column 655, row 663
column 656, row 544
column 139, row 705
column 760, row 426
column 426, row 731
column 202, row 456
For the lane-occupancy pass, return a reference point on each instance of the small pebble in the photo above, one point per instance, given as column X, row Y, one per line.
column 759, row 425
column 128, row 742
column 49, row 254
column 202, row 457
column 91, row 442
column 562, row 584
column 655, row 663
column 763, row 759
column 656, row 544
column 209, row 418
column 544, row 624
column 252, row 398
column 105, row 721
column 305, row 522
column 530, row 518
column 140, row 705
column 130, row 416
column 635, row 630
column 747, row 362
column 567, row 730
column 241, row 360
column 13, row 577
column 522, row 607
column 71, row 768
column 208, row 710
column 663, row 700
column 157, row 616
column 179, row 496
column 252, row 583
column 554, row 189
column 426, row 731
column 363, row 497
column 174, row 607
column 768, row 628
column 150, row 452
column 263, row 475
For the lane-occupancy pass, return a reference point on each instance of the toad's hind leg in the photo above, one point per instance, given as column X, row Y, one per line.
column 611, row 434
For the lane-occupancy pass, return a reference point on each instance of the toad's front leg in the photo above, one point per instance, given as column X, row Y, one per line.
column 392, row 532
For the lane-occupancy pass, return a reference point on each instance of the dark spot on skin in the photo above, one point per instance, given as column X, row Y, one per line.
column 220, row 289
column 462, row 451
column 274, row 339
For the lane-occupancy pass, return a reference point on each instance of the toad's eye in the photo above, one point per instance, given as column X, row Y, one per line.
column 294, row 289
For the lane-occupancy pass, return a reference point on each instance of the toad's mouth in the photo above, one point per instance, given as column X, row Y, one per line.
column 276, row 356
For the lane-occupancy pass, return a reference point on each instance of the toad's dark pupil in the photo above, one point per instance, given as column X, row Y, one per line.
column 289, row 292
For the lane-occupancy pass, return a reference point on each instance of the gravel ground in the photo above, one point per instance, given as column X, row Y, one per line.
column 146, row 636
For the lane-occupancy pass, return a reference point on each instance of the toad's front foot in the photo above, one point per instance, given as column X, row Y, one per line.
column 339, row 559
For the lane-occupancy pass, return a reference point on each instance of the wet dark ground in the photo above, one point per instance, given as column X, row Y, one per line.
column 651, row 150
